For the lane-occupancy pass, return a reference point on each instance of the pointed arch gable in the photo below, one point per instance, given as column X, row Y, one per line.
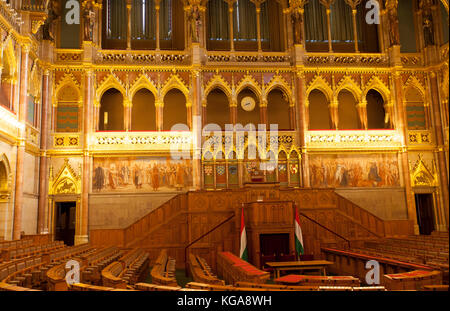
column 218, row 82
column 348, row 84
column 376, row 84
column 8, row 55
column 175, row 83
column 67, row 81
column 414, row 82
column 143, row 82
column 320, row 84
column 278, row 82
column 5, row 180
column 249, row 82
column 111, row 82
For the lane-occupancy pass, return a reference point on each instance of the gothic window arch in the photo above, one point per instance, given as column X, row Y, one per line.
column 143, row 111
column 68, row 109
column 111, row 116
column 278, row 111
column 318, row 112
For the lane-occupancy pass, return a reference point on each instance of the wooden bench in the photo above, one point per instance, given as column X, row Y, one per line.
column 413, row 280
column 201, row 272
column 315, row 280
column 233, row 269
column 155, row 287
column 276, row 286
column 163, row 271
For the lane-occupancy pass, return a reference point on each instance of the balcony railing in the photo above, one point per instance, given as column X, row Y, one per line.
column 247, row 57
column 142, row 57
column 34, row 5
column 347, row 59
column 155, row 141
column 411, row 59
column 353, row 139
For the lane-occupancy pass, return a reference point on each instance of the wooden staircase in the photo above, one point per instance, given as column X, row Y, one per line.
column 188, row 216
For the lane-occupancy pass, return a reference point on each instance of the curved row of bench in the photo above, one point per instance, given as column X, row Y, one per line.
column 233, row 269
column 163, row 271
column 31, row 272
column 128, row 270
column 201, row 272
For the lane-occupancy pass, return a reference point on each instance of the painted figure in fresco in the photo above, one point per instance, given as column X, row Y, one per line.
column 112, row 177
column 125, row 174
column 339, row 174
column 137, row 177
column 89, row 20
column 99, row 178
column 373, row 174
column 155, row 177
column 180, row 175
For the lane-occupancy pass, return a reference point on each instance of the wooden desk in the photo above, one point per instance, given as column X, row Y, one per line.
column 319, row 265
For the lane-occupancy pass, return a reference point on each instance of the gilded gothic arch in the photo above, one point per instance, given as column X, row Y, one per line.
column 5, row 178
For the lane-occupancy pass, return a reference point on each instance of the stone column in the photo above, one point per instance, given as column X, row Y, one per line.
column 159, row 106
column 334, row 112
column 330, row 46
column 197, row 129
column 401, row 121
column 157, row 2
column 83, row 233
column 230, row 23
column 43, row 165
column 258, row 25
column 18, row 200
column 127, row 106
column 128, row 24
column 362, row 113
column 263, row 119
column 440, row 152
column 302, row 126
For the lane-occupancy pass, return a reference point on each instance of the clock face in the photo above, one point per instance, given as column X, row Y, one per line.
column 248, row 103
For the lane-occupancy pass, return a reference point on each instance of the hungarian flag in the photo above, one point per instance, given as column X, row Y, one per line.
column 298, row 235
column 243, row 252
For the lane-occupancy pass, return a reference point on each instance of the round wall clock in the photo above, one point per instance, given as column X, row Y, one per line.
column 248, row 103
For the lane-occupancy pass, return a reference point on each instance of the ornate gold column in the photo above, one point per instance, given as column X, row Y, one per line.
column 159, row 106
column 440, row 152
column 353, row 4
column 230, row 16
column 361, row 107
column 302, row 126
column 18, row 196
column 327, row 4
column 43, row 164
column 334, row 112
column 263, row 114
column 157, row 6
column 129, row 24
column 196, row 128
column 401, row 121
column 233, row 112
column 127, row 106
column 258, row 24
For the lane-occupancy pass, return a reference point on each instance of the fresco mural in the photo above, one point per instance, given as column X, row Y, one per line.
column 342, row 170
column 143, row 174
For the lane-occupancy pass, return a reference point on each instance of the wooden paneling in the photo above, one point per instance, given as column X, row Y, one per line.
column 189, row 216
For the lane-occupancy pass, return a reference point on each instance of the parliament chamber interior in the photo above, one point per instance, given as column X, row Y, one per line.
column 224, row 145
